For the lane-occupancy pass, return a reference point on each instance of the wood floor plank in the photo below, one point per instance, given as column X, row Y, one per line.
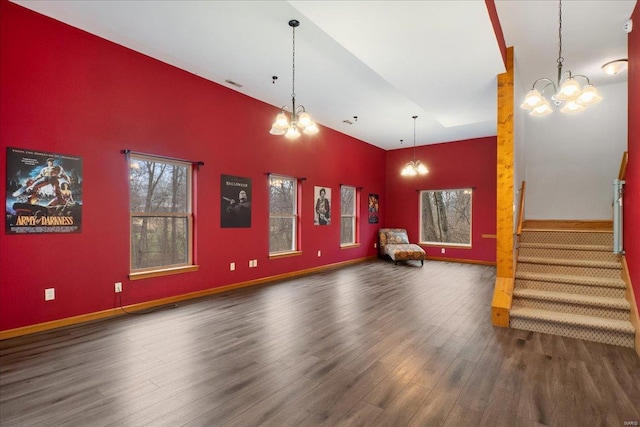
column 372, row 344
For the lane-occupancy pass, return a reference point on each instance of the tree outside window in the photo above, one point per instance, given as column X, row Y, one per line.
column 347, row 215
column 445, row 217
column 161, row 214
column 283, row 215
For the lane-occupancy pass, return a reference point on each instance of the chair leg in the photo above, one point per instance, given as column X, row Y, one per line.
column 421, row 262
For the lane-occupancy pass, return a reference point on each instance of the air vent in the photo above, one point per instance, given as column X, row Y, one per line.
column 231, row 82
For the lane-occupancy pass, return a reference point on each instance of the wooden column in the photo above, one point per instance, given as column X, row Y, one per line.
column 504, row 195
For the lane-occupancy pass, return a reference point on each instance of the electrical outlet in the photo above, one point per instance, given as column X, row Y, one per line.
column 250, row 263
column 232, row 266
column 49, row 294
column 319, row 253
column 375, row 245
column 442, row 250
column 255, row 262
column 118, row 287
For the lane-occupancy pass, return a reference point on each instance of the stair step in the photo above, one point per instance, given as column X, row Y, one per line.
column 573, row 279
column 568, row 270
column 567, row 247
column 571, row 262
column 602, row 288
column 568, row 253
column 588, row 305
column 567, row 237
column 619, row 303
column 609, row 331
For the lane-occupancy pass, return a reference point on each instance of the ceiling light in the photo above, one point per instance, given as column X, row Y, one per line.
column 414, row 167
column 568, row 94
column 615, row 67
column 299, row 116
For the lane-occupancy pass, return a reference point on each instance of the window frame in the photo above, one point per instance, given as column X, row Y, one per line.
column 294, row 216
column 422, row 239
column 184, row 215
column 353, row 215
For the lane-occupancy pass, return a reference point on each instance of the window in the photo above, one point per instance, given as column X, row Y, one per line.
column 445, row 217
column 161, row 214
column 348, row 215
column 283, row 214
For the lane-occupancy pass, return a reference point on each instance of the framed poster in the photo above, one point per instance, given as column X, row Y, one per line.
column 374, row 206
column 322, row 206
column 44, row 192
column 236, row 202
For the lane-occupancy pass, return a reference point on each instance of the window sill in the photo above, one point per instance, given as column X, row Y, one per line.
column 445, row 245
column 285, row 254
column 350, row 245
column 163, row 272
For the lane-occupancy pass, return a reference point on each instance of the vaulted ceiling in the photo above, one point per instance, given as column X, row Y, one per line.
column 382, row 61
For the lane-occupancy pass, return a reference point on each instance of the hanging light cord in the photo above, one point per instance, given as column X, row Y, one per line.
column 560, row 58
column 293, row 84
column 414, row 138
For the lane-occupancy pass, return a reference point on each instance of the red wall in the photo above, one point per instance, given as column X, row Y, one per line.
column 631, row 239
column 66, row 91
column 461, row 164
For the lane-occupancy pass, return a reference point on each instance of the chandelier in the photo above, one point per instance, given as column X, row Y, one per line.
column 568, row 94
column 414, row 167
column 300, row 119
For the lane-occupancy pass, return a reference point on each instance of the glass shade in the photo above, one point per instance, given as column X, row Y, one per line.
column 409, row 170
column 615, row 67
column 312, row 129
column 542, row 110
column 589, row 96
column 532, row 100
column 304, row 119
column 422, row 169
column 281, row 121
column 292, row 132
column 569, row 89
column 276, row 130
column 572, row 106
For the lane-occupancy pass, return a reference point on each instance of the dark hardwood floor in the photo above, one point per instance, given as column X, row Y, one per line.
column 372, row 344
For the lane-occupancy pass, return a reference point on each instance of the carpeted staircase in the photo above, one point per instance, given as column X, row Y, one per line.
column 569, row 283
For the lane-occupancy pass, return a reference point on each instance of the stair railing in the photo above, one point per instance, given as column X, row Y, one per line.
column 618, row 193
column 521, row 210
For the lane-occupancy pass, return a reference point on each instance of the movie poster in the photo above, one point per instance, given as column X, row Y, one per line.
column 322, row 206
column 374, row 207
column 236, row 202
column 44, row 192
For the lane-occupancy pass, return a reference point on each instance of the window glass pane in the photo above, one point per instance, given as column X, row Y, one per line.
column 346, row 230
column 446, row 216
column 282, row 198
column 158, row 186
column 281, row 234
column 348, row 214
column 347, row 200
column 159, row 241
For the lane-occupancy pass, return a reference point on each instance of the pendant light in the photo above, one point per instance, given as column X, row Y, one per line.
column 300, row 119
column 414, row 167
column 568, row 94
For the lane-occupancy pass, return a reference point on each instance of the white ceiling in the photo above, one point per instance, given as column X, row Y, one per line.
column 383, row 61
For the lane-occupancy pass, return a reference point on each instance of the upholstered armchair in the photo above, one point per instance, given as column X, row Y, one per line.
column 394, row 243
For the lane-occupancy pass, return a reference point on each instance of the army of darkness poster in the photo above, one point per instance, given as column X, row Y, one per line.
column 44, row 192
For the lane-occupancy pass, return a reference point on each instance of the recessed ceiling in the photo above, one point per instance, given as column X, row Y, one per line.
column 383, row 61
